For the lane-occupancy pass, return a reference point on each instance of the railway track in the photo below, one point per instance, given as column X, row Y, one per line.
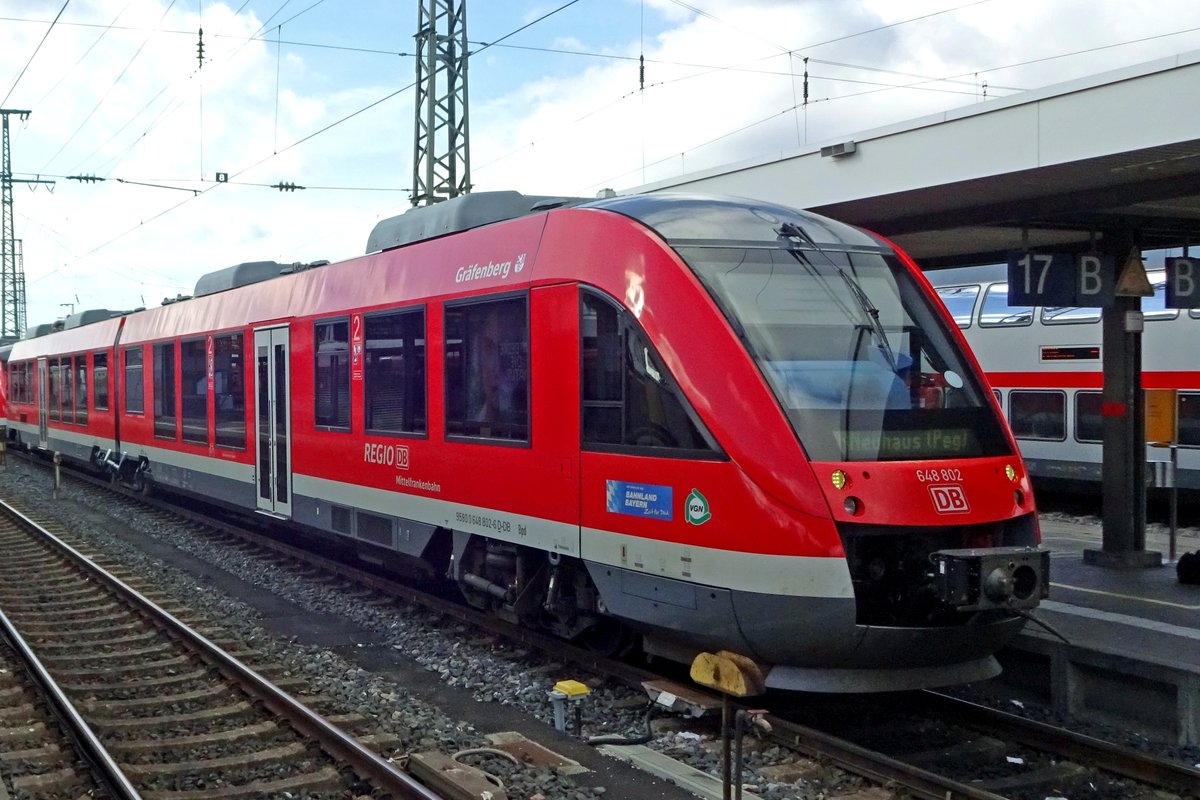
column 39, row 757
column 176, row 717
column 961, row 765
column 993, row 754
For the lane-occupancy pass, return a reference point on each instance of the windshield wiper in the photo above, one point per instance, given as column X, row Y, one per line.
column 873, row 323
column 789, row 230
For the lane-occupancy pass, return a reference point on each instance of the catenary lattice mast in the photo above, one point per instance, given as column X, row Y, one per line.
column 12, row 268
column 441, row 156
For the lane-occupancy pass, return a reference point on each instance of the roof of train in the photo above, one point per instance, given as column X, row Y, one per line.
column 481, row 255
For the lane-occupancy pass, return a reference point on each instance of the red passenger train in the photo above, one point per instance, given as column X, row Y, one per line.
column 719, row 423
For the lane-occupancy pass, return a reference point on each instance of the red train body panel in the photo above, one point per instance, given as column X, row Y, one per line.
column 685, row 414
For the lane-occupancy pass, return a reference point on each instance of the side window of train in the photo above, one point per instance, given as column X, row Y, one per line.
column 394, row 372
column 100, row 381
column 135, row 393
column 487, row 369
column 81, row 390
column 52, row 379
column 999, row 398
column 1089, row 424
column 162, row 366
column 25, row 372
column 960, row 302
column 229, row 391
column 193, row 390
column 629, row 397
column 1038, row 415
column 66, row 385
column 1064, row 315
column 1188, row 416
column 331, row 343
column 996, row 312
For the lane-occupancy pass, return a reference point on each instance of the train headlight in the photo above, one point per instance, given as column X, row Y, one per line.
column 1010, row 472
column 840, row 479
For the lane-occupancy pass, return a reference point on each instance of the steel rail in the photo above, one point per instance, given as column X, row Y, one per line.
column 109, row 773
column 1104, row 756
column 867, row 763
column 874, row 765
column 336, row 742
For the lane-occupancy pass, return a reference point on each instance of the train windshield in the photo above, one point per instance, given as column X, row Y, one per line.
column 855, row 352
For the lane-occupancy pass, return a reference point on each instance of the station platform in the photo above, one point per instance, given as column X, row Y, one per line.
column 1132, row 655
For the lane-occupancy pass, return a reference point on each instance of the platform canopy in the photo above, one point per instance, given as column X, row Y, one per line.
column 1119, row 150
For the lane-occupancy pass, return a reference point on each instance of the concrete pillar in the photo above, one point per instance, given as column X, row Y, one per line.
column 1124, row 412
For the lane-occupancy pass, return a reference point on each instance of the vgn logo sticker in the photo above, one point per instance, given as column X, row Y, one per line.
column 696, row 510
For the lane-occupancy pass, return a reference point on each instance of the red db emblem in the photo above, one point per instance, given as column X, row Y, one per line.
column 949, row 499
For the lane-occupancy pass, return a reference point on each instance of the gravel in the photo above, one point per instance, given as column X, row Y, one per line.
column 492, row 672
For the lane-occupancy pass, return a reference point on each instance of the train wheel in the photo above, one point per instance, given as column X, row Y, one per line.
column 609, row 638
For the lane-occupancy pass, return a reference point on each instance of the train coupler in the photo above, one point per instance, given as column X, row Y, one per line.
column 984, row 578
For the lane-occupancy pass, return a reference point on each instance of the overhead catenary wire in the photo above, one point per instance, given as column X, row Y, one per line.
column 36, row 50
column 116, row 81
column 301, row 141
column 174, row 106
column 502, row 43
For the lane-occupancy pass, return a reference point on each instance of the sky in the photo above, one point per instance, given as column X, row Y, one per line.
column 319, row 94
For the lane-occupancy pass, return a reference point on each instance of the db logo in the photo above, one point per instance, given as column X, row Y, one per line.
column 949, row 499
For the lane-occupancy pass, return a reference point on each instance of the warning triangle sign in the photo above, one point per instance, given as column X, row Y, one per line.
column 1133, row 281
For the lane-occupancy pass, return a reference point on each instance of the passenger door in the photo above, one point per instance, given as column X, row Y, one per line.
column 273, row 421
column 43, row 378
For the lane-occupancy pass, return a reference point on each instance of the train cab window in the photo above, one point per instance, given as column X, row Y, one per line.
column 996, row 311
column 100, row 381
column 487, row 369
column 81, row 390
column 332, row 378
column 135, row 391
column 960, row 302
column 1089, row 423
column 229, row 391
column 163, row 369
column 629, row 397
column 65, row 386
column 193, row 390
column 1188, row 416
column 1038, row 415
column 1156, row 307
column 1062, row 315
column 394, row 372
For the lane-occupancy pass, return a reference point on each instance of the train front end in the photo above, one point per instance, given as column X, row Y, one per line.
column 909, row 490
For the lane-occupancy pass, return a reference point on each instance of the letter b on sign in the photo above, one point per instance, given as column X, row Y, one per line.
column 1183, row 283
column 949, row 499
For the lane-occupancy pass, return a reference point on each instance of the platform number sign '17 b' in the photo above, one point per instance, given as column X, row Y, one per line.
column 1060, row 279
